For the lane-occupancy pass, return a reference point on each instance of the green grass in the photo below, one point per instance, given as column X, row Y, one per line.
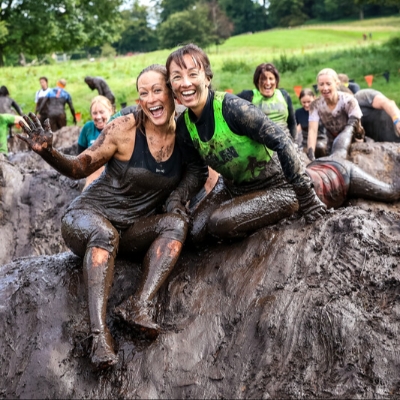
column 305, row 50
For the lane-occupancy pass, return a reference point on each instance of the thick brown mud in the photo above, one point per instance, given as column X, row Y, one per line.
column 292, row 311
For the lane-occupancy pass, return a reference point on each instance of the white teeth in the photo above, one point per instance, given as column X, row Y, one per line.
column 188, row 92
column 154, row 108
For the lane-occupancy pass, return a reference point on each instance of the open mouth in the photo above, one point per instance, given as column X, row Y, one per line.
column 188, row 93
column 156, row 111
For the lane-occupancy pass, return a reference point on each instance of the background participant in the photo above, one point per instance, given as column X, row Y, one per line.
column 381, row 116
column 41, row 92
column 101, row 86
column 236, row 139
column 7, row 104
column 119, row 211
column 100, row 110
column 337, row 111
column 53, row 106
column 352, row 86
column 306, row 97
column 275, row 103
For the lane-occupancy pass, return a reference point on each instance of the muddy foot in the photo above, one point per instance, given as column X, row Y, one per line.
column 138, row 316
column 102, row 354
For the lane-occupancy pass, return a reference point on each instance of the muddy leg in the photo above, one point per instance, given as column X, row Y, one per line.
column 366, row 186
column 159, row 261
column 252, row 211
column 98, row 274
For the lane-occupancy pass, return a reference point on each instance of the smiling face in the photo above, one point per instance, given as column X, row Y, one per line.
column 100, row 115
column 306, row 101
column 155, row 98
column 267, row 84
column 327, row 86
column 190, row 84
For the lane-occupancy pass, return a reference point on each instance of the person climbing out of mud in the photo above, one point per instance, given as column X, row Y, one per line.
column 336, row 179
column 338, row 111
column 381, row 116
column 258, row 163
column 101, row 86
column 101, row 110
column 119, row 212
column 275, row 102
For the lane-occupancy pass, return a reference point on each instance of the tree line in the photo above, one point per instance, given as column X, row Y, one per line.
column 32, row 29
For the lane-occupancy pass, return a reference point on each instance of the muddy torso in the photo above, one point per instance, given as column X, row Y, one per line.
column 245, row 119
column 5, row 105
column 131, row 189
column 331, row 182
column 334, row 120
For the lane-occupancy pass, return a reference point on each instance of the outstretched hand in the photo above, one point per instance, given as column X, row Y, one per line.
column 38, row 139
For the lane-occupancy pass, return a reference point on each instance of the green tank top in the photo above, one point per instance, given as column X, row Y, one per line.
column 235, row 157
column 274, row 107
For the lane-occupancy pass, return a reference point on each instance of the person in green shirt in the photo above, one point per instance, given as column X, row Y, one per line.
column 5, row 121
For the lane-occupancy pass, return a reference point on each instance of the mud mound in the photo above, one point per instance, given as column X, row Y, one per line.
column 292, row 311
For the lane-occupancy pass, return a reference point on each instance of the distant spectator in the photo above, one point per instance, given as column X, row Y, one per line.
column 101, row 85
column 381, row 116
column 344, row 79
column 53, row 106
column 5, row 121
column 101, row 110
column 44, row 83
column 7, row 103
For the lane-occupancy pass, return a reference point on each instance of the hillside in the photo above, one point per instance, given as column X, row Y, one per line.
column 338, row 45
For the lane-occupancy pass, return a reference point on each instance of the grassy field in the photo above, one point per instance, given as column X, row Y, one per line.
column 308, row 49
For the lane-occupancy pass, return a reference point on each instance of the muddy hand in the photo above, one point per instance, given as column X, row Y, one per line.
column 38, row 139
column 311, row 206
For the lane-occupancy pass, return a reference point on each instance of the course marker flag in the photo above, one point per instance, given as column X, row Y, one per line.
column 297, row 90
column 369, row 79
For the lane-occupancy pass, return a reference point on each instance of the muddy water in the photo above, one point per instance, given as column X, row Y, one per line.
column 294, row 310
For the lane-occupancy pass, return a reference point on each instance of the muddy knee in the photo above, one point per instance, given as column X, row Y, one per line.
column 81, row 229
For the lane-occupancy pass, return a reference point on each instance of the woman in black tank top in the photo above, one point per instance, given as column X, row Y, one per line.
column 120, row 211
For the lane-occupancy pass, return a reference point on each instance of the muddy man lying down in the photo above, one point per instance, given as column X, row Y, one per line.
column 119, row 212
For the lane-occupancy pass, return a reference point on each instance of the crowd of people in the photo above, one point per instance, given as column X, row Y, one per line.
column 191, row 163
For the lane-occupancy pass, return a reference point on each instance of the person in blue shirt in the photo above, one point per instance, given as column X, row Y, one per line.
column 101, row 110
column 53, row 106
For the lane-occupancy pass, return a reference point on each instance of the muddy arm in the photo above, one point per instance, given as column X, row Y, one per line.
column 76, row 167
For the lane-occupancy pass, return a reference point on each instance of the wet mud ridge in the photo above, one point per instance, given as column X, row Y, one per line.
column 294, row 310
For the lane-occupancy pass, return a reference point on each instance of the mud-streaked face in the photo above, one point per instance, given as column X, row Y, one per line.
column 267, row 84
column 100, row 115
column 327, row 86
column 306, row 101
column 190, row 85
column 155, row 98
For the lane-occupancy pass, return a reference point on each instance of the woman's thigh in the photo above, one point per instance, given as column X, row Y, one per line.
column 146, row 230
column 83, row 228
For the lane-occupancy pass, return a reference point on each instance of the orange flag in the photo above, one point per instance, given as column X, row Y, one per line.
column 297, row 90
column 369, row 79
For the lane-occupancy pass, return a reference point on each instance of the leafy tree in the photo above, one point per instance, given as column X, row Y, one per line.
column 40, row 27
column 170, row 7
column 137, row 36
column 287, row 12
column 188, row 26
column 246, row 15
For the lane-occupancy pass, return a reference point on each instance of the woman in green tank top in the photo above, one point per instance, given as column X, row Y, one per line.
column 261, row 177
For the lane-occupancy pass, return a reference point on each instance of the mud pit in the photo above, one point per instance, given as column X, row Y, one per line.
column 294, row 310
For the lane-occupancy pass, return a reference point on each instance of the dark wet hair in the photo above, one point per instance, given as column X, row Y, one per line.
column 4, row 91
column 199, row 57
column 44, row 78
column 306, row 92
column 263, row 68
column 141, row 117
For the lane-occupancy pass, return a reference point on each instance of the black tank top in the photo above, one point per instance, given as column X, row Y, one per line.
column 128, row 190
